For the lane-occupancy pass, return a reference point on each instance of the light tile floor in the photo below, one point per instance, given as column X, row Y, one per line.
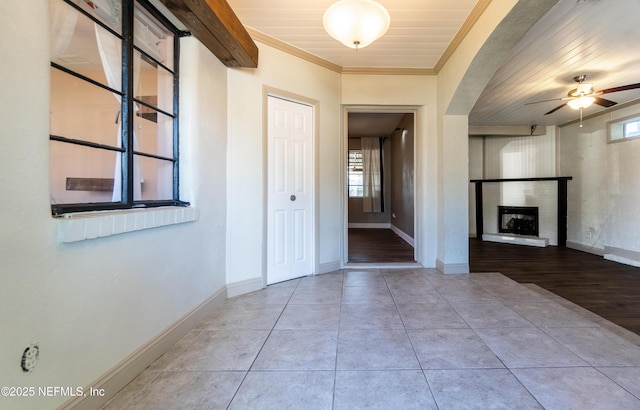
column 395, row 339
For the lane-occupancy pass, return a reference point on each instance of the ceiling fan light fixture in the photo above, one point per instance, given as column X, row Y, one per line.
column 356, row 23
column 581, row 102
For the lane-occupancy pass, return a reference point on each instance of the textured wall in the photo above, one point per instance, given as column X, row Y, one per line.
column 605, row 191
column 92, row 303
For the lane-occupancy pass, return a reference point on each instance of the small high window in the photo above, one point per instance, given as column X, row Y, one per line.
column 624, row 129
column 114, row 112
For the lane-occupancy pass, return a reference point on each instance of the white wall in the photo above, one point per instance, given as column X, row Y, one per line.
column 520, row 156
column 605, row 191
column 90, row 304
column 476, row 171
column 246, row 155
column 412, row 91
column 498, row 157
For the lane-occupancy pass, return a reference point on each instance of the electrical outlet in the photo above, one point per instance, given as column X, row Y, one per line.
column 30, row 358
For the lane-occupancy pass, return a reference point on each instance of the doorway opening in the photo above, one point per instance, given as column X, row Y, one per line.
column 380, row 156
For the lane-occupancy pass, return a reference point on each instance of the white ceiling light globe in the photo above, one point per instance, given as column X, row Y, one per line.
column 356, row 23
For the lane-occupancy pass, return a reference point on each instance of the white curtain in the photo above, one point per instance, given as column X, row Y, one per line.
column 62, row 25
column 110, row 48
column 371, row 175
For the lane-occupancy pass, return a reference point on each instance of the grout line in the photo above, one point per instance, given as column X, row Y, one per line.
column 263, row 344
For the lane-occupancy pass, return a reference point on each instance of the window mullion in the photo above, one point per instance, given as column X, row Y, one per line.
column 176, row 109
column 127, row 101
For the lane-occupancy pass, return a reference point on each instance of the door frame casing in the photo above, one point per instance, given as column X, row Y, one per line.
column 267, row 92
column 378, row 109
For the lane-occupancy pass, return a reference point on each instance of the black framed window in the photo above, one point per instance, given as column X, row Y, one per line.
column 114, row 106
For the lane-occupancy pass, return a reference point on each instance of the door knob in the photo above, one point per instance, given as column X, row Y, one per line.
column 292, row 198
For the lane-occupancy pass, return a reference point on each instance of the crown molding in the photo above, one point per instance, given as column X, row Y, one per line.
column 388, row 71
column 288, row 48
column 471, row 20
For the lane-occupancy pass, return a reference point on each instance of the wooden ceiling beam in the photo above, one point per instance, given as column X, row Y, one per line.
column 214, row 23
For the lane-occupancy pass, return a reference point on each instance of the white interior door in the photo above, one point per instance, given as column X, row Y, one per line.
column 290, row 213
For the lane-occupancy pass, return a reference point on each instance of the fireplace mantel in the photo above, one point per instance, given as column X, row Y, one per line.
column 522, row 179
column 562, row 203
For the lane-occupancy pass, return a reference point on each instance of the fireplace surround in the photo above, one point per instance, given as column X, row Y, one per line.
column 561, row 218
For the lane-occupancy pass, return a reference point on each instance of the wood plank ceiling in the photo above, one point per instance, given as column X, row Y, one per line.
column 593, row 37
column 598, row 38
column 419, row 35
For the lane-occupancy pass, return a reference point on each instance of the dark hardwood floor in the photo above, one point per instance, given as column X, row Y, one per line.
column 608, row 289
column 378, row 246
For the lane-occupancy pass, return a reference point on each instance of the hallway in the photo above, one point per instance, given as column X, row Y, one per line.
column 378, row 246
column 404, row 338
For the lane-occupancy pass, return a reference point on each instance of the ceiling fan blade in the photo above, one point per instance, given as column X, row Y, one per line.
column 555, row 109
column 536, row 102
column 604, row 102
column 621, row 88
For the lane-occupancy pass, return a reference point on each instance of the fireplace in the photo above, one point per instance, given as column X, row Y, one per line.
column 519, row 220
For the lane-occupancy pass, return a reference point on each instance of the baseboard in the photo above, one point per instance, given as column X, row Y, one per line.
column 452, row 268
column 585, row 248
column 403, row 235
column 245, row 286
column 381, row 225
column 624, row 256
column 128, row 369
column 330, row 267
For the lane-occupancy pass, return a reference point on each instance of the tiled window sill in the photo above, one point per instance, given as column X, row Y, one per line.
column 90, row 225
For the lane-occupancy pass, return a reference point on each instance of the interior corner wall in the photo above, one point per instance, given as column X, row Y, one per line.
column 402, row 176
column 246, row 157
column 92, row 303
column 604, row 194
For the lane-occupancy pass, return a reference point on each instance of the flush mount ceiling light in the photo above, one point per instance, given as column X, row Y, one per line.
column 356, row 23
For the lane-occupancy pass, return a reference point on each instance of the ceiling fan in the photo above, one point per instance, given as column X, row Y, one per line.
column 584, row 95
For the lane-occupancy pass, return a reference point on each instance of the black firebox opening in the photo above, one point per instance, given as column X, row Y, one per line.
column 519, row 220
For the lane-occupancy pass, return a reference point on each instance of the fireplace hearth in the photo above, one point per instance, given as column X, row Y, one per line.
column 518, row 220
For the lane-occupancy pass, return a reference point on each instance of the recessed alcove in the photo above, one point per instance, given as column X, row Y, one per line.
column 548, row 194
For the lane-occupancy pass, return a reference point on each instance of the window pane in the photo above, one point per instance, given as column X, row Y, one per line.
column 157, row 178
column 354, row 174
column 81, row 174
column 108, row 12
column 81, row 110
column 632, row 129
column 355, row 191
column 154, row 84
column 86, row 48
column 152, row 38
column 154, row 133
column 355, row 183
